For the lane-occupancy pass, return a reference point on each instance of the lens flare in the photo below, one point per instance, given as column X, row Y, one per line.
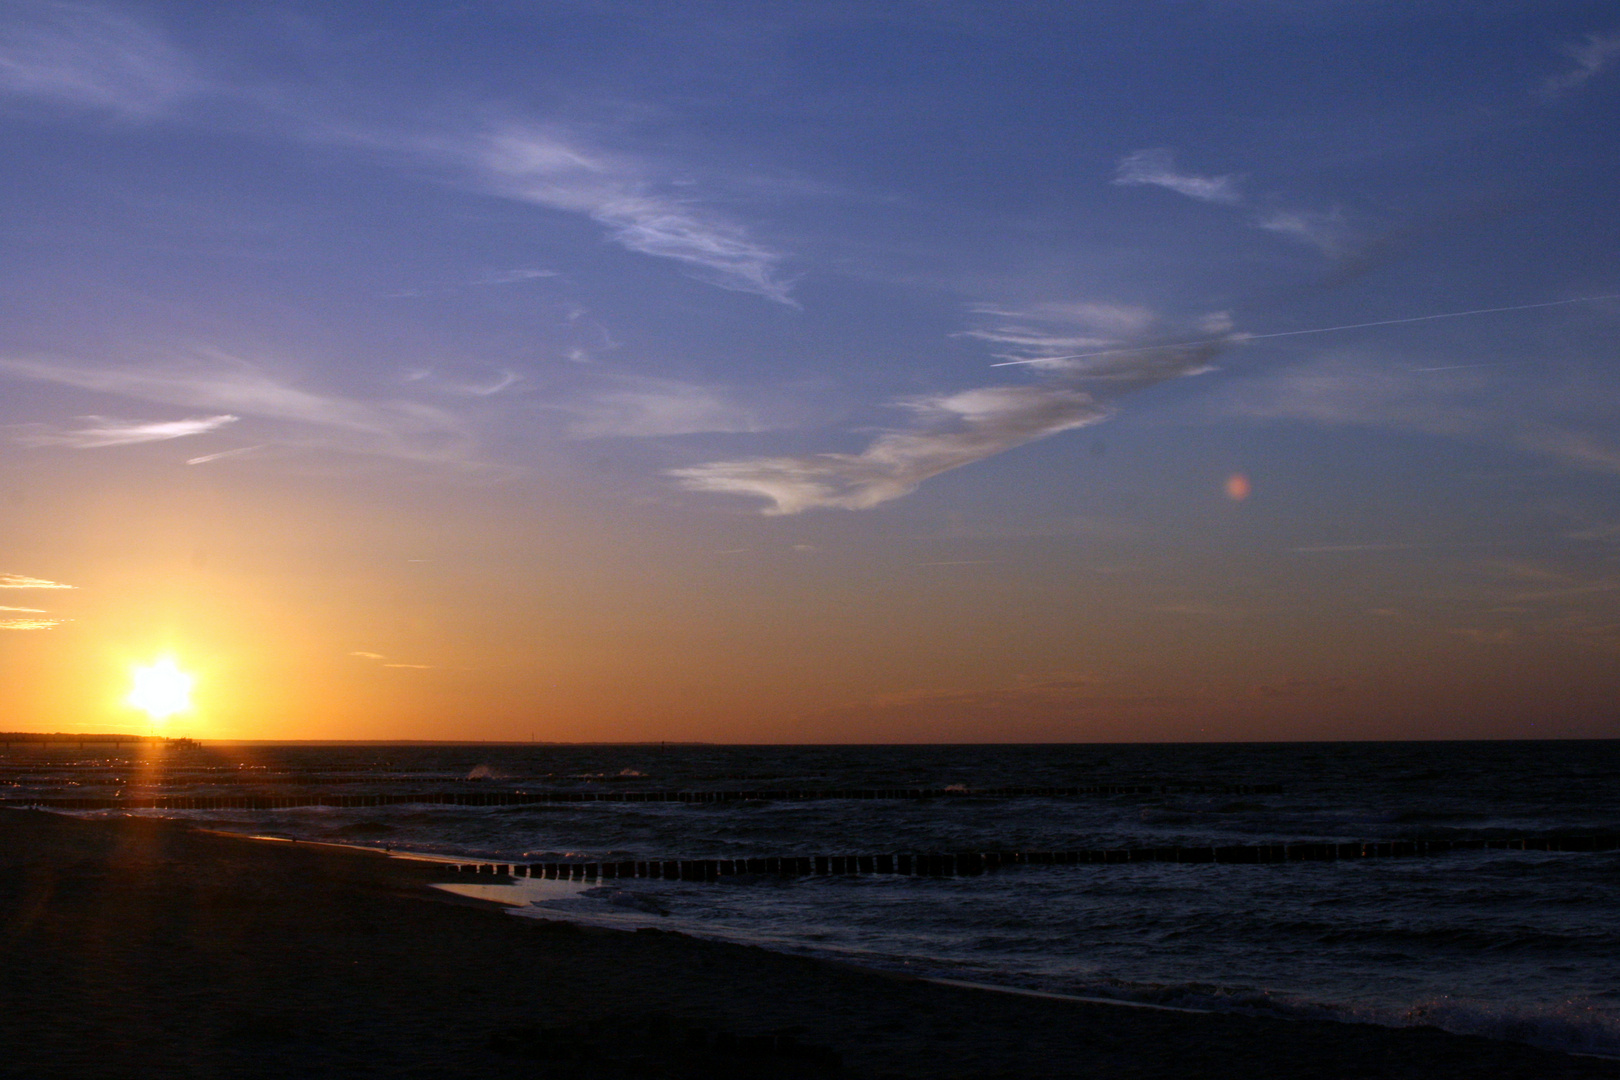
column 161, row 689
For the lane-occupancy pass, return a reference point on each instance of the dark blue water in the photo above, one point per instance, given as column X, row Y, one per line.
column 1520, row 945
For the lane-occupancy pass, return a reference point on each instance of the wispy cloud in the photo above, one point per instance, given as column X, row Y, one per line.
column 1328, row 231
column 403, row 429
column 1454, row 401
column 1580, row 448
column 100, row 431
column 1031, row 708
column 548, row 168
column 383, row 661
column 23, row 581
column 204, row 459
column 1516, row 599
column 30, row 610
column 628, row 406
column 1042, row 332
column 953, row 430
column 1318, row 549
column 511, row 277
column 1592, row 57
column 1351, row 389
column 1061, row 690
column 89, row 56
column 1595, row 531
column 1196, row 610
column 1298, row 688
column 1158, row 168
column 973, row 425
column 1480, row 636
column 499, row 381
column 29, row 624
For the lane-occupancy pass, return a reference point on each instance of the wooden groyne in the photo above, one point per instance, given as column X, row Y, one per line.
column 975, row 863
column 524, row 798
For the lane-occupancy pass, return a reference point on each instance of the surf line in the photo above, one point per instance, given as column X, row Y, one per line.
column 1240, row 338
column 1021, row 992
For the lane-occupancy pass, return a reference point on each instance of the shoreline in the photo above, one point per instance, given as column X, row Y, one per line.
column 520, row 891
column 142, row 947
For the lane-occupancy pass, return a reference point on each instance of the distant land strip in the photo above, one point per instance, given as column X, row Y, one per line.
column 974, row 863
column 521, row 798
column 131, row 777
column 53, row 738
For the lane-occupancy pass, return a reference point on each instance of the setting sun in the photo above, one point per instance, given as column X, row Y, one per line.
column 161, row 689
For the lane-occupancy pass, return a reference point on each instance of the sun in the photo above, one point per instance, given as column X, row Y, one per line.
column 161, row 689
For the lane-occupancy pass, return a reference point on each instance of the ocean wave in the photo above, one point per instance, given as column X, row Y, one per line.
column 1507, row 944
column 1575, row 1025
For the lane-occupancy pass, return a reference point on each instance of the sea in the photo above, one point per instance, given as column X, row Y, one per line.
column 1520, row 945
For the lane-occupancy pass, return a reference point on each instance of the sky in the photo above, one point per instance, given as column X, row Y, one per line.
column 926, row 371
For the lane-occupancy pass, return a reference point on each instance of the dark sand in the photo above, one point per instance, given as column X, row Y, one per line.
column 139, row 948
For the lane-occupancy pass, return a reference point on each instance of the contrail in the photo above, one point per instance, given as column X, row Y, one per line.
column 1317, row 330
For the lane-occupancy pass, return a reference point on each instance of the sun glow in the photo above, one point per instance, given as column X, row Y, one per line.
column 161, row 689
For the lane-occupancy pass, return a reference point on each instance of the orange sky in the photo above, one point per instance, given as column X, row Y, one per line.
column 375, row 606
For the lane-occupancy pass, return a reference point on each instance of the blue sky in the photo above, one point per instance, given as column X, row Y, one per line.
column 814, row 371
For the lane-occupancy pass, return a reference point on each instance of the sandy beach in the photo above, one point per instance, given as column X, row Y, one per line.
column 142, row 948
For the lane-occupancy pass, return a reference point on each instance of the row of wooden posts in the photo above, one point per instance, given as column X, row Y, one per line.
column 523, row 798
column 969, row 864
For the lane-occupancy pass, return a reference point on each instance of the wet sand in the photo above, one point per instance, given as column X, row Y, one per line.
column 140, row 948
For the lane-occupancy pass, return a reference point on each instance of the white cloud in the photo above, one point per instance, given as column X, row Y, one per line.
column 22, row 581
column 1328, row 231
column 954, row 430
column 92, row 57
column 1158, row 167
column 511, row 277
column 100, row 431
column 237, row 452
column 641, row 407
column 1047, row 334
column 383, row 661
column 1592, row 56
column 30, row 610
column 1578, row 448
column 987, row 421
column 1107, row 318
column 29, row 624
column 1452, row 401
column 501, row 380
column 402, row 429
column 1044, row 332
column 539, row 165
